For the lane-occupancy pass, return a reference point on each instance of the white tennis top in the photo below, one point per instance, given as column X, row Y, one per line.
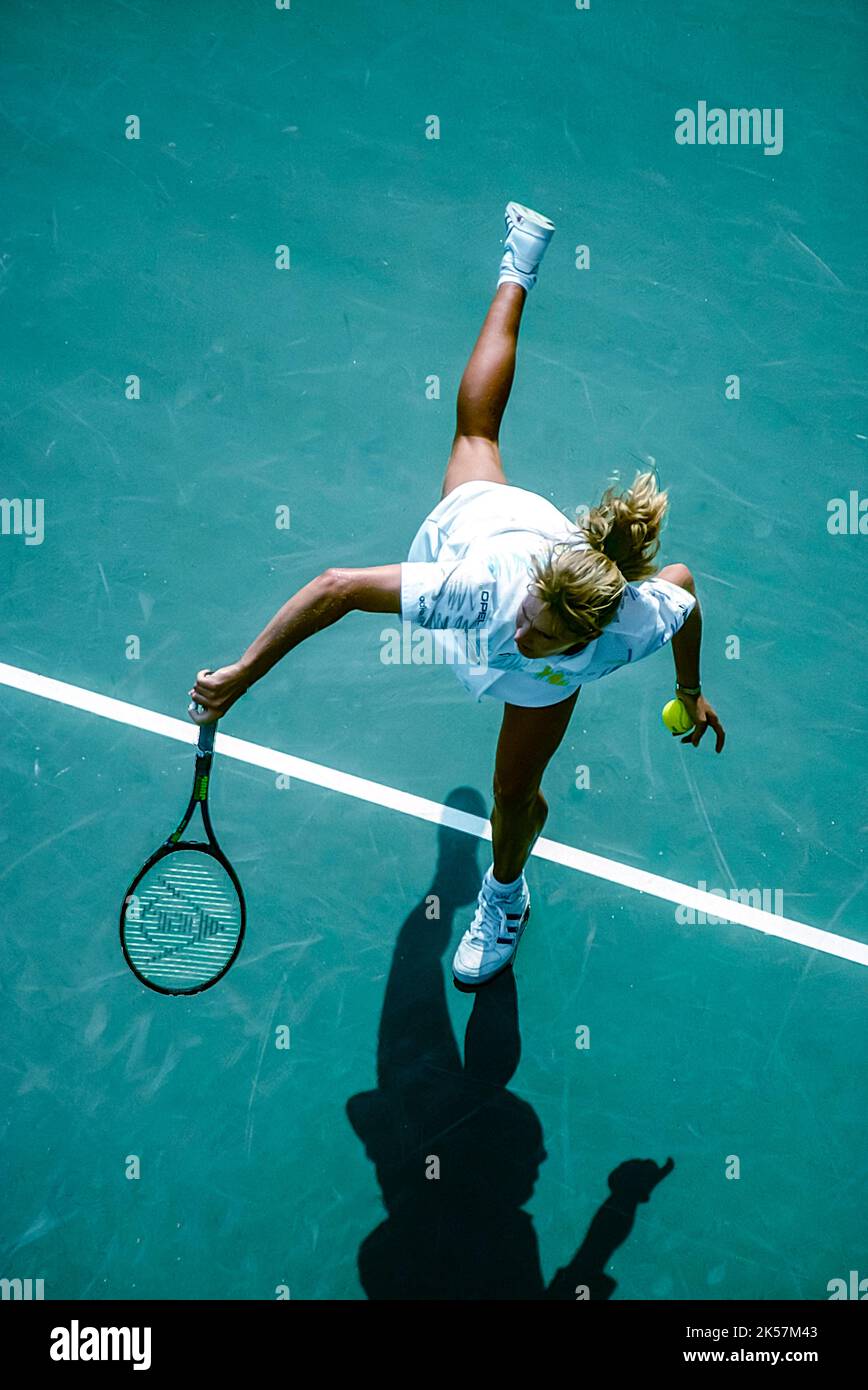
column 467, row 572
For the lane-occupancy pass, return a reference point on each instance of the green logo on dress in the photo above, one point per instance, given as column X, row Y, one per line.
column 551, row 676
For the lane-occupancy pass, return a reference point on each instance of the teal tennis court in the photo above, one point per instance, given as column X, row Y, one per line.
column 232, row 346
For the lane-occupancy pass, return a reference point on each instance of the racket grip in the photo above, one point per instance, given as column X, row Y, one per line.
column 206, row 737
column 206, row 731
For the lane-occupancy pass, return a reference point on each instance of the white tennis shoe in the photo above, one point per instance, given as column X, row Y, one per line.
column 528, row 234
column 491, row 941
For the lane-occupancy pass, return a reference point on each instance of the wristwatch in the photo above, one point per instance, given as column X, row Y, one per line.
column 688, row 689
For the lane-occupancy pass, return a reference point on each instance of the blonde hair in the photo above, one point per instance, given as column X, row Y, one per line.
column 583, row 581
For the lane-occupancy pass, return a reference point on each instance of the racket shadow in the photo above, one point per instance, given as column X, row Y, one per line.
column 457, row 1154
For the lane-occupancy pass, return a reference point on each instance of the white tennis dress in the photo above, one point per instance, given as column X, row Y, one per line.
column 468, row 571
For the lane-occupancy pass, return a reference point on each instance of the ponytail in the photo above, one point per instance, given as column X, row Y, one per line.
column 583, row 581
column 626, row 526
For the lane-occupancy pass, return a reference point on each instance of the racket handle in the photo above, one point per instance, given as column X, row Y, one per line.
column 206, row 731
column 206, row 737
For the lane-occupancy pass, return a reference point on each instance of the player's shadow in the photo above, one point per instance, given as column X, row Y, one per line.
column 457, row 1154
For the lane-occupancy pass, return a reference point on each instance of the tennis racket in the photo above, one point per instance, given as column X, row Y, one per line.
column 183, row 916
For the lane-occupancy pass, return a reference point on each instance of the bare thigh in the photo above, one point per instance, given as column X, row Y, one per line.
column 529, row 737
column 473, row 459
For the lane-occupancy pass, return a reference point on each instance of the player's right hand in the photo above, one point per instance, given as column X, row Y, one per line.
column 215, row 692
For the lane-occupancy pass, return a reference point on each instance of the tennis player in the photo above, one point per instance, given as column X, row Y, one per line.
column 529, row 605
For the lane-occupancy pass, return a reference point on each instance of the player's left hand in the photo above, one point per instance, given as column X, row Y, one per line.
column 704, row 718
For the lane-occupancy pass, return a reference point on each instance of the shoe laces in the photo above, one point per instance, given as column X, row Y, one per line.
column 489, row 921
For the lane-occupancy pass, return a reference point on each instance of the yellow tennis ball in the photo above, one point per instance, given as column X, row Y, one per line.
column 676, row 718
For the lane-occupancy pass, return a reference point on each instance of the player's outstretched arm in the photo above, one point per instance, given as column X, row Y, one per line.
column 330, row 596
column 686, row 646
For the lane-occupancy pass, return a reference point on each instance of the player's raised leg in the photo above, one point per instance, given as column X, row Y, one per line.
column 488, row 376
column 484, row 391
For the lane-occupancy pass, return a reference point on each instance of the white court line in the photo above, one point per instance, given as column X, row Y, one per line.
column 670, row 890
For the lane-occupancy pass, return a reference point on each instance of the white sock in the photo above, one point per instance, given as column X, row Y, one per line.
column 509, row 275
column 503, row 890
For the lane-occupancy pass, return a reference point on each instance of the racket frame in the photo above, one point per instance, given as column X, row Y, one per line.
column 174, row 843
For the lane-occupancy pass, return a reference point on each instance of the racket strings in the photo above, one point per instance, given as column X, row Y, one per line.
column 183, row 921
